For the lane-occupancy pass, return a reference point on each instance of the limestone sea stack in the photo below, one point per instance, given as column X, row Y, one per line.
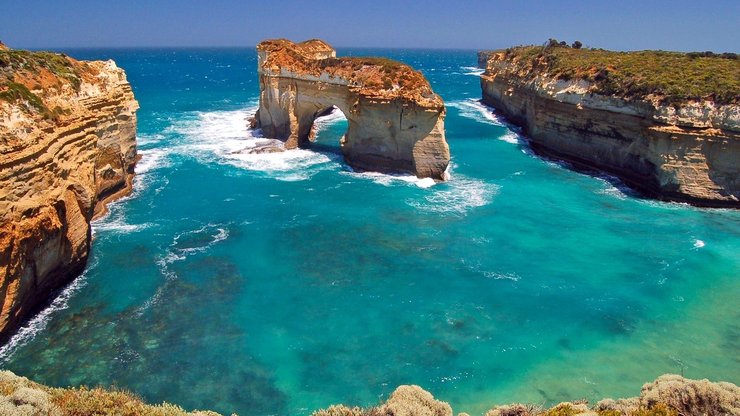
column 67, row 146
column 395, row 120
column 667, row 124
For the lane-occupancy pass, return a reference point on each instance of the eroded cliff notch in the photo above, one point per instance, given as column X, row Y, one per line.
column 395, row 120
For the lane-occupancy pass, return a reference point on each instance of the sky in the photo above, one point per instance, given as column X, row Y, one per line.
column 682, row 25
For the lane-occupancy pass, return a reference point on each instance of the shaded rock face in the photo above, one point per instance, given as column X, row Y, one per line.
column 688, row 153
column 395, row 121
column 56, row 174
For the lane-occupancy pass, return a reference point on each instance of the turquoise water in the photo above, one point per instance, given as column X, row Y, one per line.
column 278, row 284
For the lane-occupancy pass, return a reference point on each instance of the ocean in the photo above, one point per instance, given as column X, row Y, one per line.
column 282, row 283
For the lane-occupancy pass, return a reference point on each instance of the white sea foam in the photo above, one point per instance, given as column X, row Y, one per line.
column 119, row 226
column 220, row 136
column 216, row 232
column 151, row 159
column 330, row 119
column 147, row 139
column 388, row 179
column 699, row 244
column 472, row 70
column 475, row 110
column 457, row 196
column 496, row 275
column 39, row 322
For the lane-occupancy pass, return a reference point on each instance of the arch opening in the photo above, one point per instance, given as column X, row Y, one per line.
column 329, row 127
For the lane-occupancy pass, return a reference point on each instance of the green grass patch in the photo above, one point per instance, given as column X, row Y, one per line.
column 674, row 77
column 18, row 92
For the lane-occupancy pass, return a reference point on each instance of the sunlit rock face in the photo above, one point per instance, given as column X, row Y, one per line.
column 67, row 146
column 685, row 152
column 395, row 120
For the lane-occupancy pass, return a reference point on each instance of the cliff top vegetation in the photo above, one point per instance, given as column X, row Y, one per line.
column 371, row 76
column 22, row 72
column 671, row 77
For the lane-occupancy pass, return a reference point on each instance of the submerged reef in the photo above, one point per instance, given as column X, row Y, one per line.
column 666, row 123
column 395, row 120
column 67, row 147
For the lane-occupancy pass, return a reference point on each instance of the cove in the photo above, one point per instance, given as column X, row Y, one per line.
column 282, row 283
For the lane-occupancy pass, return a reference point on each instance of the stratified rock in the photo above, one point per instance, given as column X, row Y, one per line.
column 67, row 146
column 683, row 150
column 396, row 121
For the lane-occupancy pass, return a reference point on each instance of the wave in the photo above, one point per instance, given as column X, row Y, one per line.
column 330, row 119
column 118, row 226
column 184, row 245
column 147, row 139
column 458, row 196
column 389, row 179
column 475, row 110
column 221, row 136
column 472, row 70
column 39, row 322
column 495, row 275
column 151, row 159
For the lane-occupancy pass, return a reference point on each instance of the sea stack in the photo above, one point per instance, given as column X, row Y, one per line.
column 67, row 146
column 396, row 121
column 637, row 115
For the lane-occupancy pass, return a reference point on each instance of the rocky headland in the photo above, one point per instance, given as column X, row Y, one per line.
column 669, row 395
column 666, row 123
column 395, row 120
column 67, row 146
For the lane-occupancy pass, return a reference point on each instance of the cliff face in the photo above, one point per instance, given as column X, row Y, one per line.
column 67, row 146
column 396, row 121
column 684, row 152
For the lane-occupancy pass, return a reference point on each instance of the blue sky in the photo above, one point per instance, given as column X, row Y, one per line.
column 624, row 25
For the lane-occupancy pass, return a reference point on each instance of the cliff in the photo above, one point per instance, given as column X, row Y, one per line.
column 396, row 121
column 67, row 146
column 669, row 395
column 667, row 124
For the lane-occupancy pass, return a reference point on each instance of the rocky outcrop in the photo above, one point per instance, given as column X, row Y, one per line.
column 20, row 396
column 686, row 151
column 67, row 146
column 395, row 120
column 669, row 395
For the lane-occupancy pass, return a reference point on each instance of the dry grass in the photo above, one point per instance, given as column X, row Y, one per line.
column 20, row 396
column 24, row 73
column 673, row 77
column 371, row 76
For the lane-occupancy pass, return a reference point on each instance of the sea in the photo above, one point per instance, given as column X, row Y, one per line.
column 278, row 284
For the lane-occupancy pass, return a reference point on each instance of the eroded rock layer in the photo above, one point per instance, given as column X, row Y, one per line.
column 685, row 151
column 67, row 146
column 395, row 120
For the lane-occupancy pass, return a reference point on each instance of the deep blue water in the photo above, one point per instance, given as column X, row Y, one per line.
column 278, row 284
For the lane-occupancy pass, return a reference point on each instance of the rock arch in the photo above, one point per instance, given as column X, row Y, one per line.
column 395, row 120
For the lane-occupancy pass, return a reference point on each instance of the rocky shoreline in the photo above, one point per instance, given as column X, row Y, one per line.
column 396, row 121
column 67, row 147
column 668, row 395
column 684, row 151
